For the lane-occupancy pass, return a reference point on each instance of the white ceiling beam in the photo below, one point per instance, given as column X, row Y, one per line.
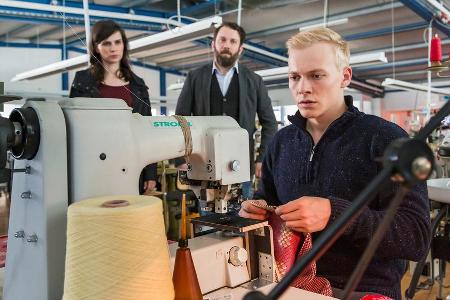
column 92, row 12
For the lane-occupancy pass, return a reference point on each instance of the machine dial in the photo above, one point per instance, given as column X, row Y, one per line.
column 235, row 165
column 238, row 256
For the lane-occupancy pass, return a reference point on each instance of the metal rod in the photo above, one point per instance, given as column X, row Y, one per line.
column 411, row 291
column 239, row 13
column 374, row 243
column 87, row 27
column 434, row 122
column 430, row 36
column 178, row 11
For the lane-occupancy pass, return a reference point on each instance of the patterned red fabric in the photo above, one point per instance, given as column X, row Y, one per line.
column 3, row 241
column 290, row 245
column 375, row 297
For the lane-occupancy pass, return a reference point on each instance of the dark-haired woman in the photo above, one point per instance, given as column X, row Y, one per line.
column 110, row 76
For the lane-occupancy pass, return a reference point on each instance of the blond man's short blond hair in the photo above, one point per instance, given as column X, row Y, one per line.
column 310, row 37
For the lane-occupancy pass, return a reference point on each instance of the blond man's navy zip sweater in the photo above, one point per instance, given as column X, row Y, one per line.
column 339, row 167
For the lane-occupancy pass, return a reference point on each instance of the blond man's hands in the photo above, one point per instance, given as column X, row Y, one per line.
column 251, row 211
column 306, row 214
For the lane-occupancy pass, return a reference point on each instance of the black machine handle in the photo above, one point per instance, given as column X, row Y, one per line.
column 20, row 134
column 6, row 141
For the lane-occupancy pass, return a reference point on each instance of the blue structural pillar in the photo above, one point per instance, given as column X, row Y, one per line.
column 64, row 75
column 162, row 90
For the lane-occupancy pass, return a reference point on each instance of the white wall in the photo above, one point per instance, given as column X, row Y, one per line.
column 151, row 78
column 16, row 60
column 172, row 96
column 376, row 106
column 72, row 54
column 281, row 97
column 409, row 100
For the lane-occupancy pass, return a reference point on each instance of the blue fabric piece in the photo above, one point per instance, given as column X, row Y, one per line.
column 339, row 167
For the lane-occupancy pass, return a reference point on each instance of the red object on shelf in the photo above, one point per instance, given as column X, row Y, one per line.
column 3, row 241
column 435, row 49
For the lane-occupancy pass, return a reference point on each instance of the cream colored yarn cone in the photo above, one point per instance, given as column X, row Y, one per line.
column 117, row 252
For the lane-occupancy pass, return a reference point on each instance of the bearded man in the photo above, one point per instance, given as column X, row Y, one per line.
column 224, row 87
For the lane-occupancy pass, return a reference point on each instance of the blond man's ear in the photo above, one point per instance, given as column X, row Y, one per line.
column 347, row 77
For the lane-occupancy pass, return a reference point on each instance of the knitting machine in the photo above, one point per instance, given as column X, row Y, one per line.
column 68, row 150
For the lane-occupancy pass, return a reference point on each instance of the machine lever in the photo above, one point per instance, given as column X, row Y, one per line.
column 26, row 170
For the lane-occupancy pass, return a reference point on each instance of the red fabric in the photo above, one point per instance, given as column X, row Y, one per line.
column 289, row 246
column 120, row 92
column 375, row 297
column 3, row 243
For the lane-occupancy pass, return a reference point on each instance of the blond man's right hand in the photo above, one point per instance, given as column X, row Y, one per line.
column 251, row 211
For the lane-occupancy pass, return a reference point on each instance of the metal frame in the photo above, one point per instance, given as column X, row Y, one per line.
column 185, row 33
column 427, row 14
column 71, row 9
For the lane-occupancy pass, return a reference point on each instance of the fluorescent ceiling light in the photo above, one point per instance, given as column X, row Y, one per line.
column 269, row 74
column 404, row 85
column 180, row 34
column 274, row 72
column 265, row 52
column 368, row 59
column 185, row 33
column 328, row 24
column 175, row 86
column 355, row 60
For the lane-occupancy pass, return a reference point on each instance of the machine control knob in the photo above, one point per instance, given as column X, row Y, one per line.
column 26, row 195
column 19, row 234
column 238, row 256
column 32, row 238
column 235, row 165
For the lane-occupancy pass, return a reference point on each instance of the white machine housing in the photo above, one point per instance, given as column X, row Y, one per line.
column 131, row 141
column 97, row 147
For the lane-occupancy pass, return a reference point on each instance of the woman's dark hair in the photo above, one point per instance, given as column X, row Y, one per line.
column 100, row 32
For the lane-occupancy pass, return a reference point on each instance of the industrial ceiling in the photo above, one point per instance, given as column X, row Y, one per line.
column 396, row 27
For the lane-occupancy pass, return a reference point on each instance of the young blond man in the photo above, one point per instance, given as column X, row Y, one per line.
column 316, row 166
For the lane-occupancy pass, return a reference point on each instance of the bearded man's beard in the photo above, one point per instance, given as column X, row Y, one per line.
column 226, row 59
